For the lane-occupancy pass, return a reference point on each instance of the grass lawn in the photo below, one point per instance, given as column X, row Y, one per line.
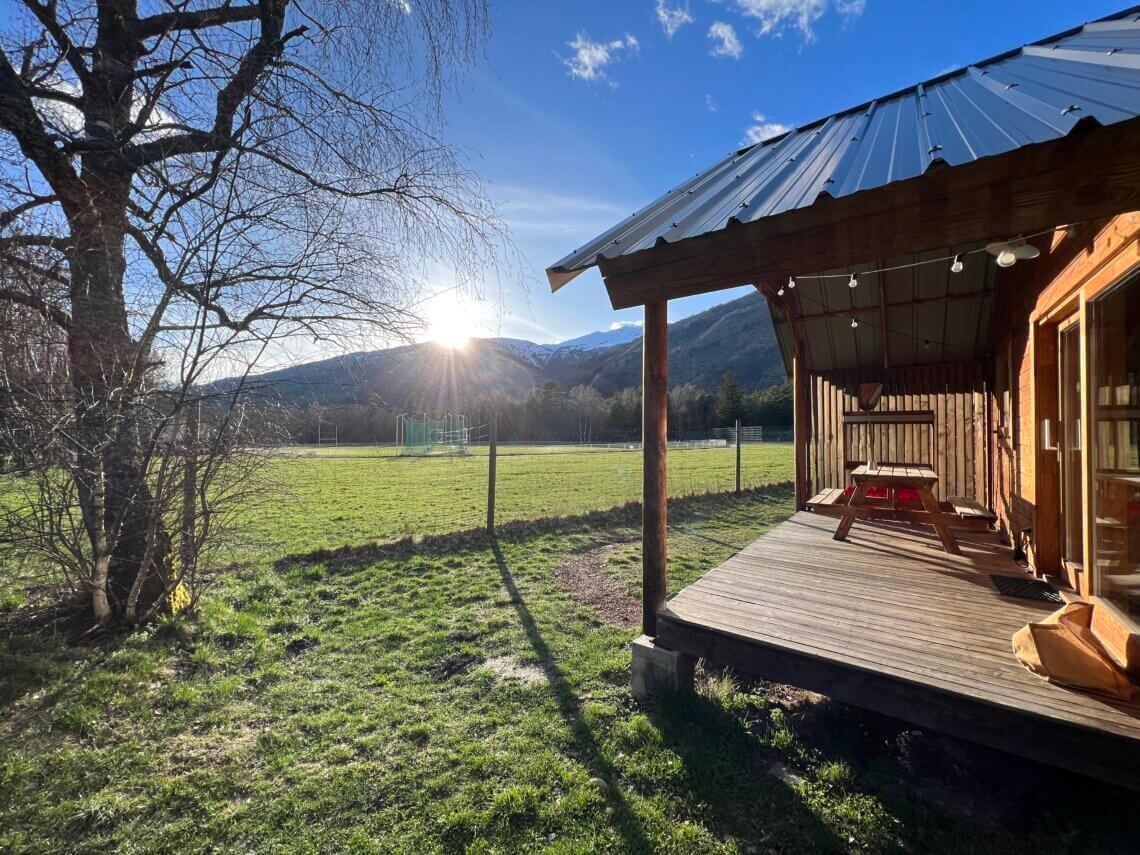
column 327, row 502
column 450, row 695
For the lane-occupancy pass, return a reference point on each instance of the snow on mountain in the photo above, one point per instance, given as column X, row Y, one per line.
column 539, row 355
column 527, row 351
column 620, row 333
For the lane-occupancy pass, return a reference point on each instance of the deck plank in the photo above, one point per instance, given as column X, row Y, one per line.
column 889, row 621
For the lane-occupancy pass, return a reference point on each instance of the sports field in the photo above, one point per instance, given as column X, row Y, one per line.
column 333, row 499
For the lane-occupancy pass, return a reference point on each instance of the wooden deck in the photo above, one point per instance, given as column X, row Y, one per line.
column 888, row 621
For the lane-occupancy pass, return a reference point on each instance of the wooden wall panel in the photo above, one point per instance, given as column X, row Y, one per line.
column 1034, row 297
column 956, row 444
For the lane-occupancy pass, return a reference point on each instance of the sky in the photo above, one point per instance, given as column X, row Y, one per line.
column 582, row 112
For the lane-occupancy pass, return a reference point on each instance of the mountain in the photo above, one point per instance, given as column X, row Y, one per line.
column 735, row 336
column 623, row 333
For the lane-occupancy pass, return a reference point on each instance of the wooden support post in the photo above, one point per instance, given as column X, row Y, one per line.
column 883, row 321
column 654, row 437
column 738, row 457
column 799, row 427
column 492, row 453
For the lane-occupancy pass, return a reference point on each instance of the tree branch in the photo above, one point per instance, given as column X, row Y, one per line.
column 253, row 65
column 157, row 25
column 45, row 14
column 52, row 313
column 18, row 116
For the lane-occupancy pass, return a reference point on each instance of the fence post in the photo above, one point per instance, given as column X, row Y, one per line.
column 492, row 452
column 738, row 457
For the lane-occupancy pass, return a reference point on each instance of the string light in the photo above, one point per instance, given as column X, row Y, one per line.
column 1015, row 249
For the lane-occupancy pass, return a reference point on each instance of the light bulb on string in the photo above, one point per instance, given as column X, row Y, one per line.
column 791, row 283
column 780, row 293
column 957, row 266
column 854, row 323
column 853, row 282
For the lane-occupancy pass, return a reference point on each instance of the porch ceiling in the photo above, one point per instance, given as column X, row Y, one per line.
column 932, row 315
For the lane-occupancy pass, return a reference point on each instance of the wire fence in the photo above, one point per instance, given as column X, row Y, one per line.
column 375, row 489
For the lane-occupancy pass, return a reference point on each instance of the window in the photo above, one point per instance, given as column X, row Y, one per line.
column 1114, row 331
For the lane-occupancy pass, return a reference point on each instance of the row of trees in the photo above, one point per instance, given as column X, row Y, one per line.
column 551, row 413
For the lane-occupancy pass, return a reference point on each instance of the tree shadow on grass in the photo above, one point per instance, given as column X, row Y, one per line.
column 726, row 770
column 570, row 707
column 617, row 523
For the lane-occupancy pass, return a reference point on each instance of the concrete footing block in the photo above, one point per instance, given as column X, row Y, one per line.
column 658, row 669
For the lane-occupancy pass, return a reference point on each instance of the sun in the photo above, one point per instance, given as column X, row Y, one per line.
column 451, row 323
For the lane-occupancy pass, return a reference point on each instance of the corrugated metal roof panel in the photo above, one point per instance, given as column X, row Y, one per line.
column 1032, row 95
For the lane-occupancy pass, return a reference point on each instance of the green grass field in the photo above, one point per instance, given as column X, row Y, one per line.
column 330, row 501
column 447, row 694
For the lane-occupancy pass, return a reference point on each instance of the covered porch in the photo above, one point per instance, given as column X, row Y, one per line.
column 882, row 238
column 886, row 620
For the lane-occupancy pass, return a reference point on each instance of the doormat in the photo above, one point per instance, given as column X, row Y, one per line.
column 1027, row 589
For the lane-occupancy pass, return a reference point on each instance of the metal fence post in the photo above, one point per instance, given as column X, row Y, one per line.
column 738, row 457
column 492, row 452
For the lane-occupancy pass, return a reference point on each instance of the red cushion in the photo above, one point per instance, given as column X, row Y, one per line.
column 905, row 494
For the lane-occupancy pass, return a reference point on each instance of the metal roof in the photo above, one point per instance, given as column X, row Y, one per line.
column 1034, row 94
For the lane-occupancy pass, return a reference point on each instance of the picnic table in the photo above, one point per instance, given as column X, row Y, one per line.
column 894, row 479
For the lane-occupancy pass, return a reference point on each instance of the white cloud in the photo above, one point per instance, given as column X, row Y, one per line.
column 727, row 42
column 778, row 15
column 761, row 129
column 591, row 58
column 710, row 103
column 673, row 19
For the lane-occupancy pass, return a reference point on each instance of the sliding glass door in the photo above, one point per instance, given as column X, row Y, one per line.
column 1114, row 344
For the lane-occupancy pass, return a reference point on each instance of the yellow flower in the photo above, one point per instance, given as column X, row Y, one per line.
column 179, row 599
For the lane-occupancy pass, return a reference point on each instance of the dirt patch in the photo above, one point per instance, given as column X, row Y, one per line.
column 509, row 668
column 583, row 575
column 449, row 666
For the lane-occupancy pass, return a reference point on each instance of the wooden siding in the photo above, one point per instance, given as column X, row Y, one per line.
column 887, row 621
column 1031, row 298
column 955, row 447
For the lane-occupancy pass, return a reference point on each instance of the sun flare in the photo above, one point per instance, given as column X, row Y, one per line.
column 452, row 323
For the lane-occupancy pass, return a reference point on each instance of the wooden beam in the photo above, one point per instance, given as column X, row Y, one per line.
column 1094, row 172
column 906, row 304
column 1044, row 387
column 654, row 433
column 799, row 427
column 883, row 325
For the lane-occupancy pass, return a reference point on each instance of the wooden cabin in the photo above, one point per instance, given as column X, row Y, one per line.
column 953, row 271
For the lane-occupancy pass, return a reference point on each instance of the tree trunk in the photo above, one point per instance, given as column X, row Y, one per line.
column 108, row 390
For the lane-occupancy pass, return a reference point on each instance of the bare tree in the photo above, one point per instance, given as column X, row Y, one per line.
column 183, row 187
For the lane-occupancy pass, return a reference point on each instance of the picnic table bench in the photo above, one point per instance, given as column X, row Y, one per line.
column 900, row 492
